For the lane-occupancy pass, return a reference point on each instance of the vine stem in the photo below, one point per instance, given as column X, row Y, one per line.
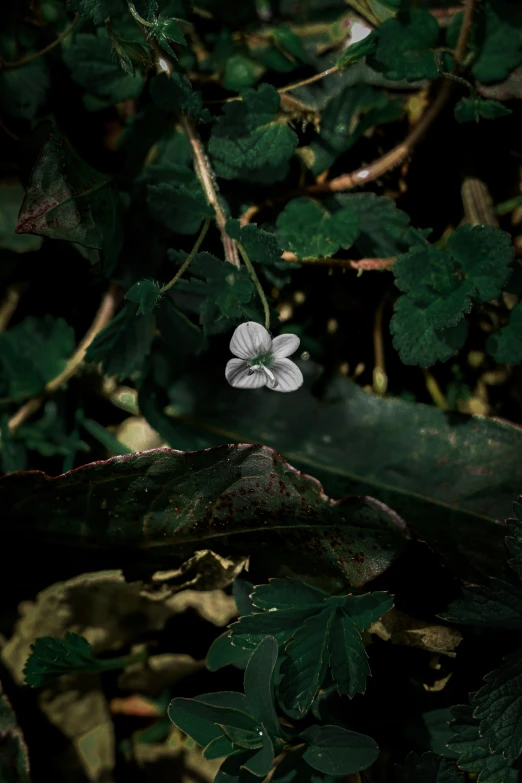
column 190, row 257
column 105, row 314
column 255, row 280
column 310, row 80
column 30, row 57
column 136, row 16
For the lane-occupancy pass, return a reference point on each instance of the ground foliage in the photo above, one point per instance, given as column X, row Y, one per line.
column 210, row 581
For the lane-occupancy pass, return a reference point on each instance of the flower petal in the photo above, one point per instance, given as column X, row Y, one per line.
column 249, row 340
column 236, row 373
column 284, row 345
column 288, row 375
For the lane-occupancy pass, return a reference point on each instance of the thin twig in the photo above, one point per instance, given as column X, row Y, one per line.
column 30, row 57
column 190, row 257
column 255, row 280
column 10, row 303
column 105, row 313
column 361, row 265
column 310, row 80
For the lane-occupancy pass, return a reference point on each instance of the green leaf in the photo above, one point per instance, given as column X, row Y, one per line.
column 250, row 136
column 496, row 40
column 417, row 341
column 431, row 731
column 223, row 653
column 260, row 763
column 205, row 722
column 232, row 769
column 95, row 10
column 336, row 751
column 175, row 94
column 90, row 59
column 474, row 754
column 131, row 54
column 514, row 540
column 178, row 208
column 48, row 435
column 51, row 657
column 249, row 630
column 496, row 605
column 384, row 230
column 306, row 662
column 428, row 768
column 23, row 90
column 505, row 345
column 348, row 659
column 484, row 256
column 14, row 756
column 146, row 294
column 170, row 504
column 365, row 610
column 68, row 199
column 11, row 197
column 290, row 42
column 406, row 454
column 165, row 31
column 310, row 231
column 286, row 594
column 262, row 246
column 405, row 46
column 240, row 73
column 178, row 333
column 499, row 705
column 356, row 51
column 345, row 119
column 219, row 747
column 259, row 687
column 472, row 109
column 32, row 353
column 123, row 344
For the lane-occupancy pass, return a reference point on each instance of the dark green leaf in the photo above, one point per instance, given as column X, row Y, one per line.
column 23, row 91
column 165, row 31
column 474, row 754
column 348, row 659
column 498, row 704
column 259, row 687
column 417, row 341
column 241, row 73
column 32, row 353
column 261, row 246
column 178, row 333
column 51, row 657
column 431, row 732
column 336, row 751
column 223, row 653
column 405, row 46
column 311, row 232
column 364, row 610
column 187, row 510
column 248, row 631
column 286, row 594
column 178, row 208
column 496, row 605
column 306, row 662
column 356, row 51
column 93, row 66
column 514, row 540
column 206, row 722
column 219, row 747
column 260, row 763
column 232, row 770
column 68, row 199
column 146, row 294
column 429, row 768
column 472, row 109
column 249, row 136
column 174, row 94
column 122, row 345
column 505, row 345
column 95, row 10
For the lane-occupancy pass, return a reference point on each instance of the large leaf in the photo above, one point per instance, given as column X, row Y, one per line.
column 336, row 751
column 231, row 493
column 428, row 465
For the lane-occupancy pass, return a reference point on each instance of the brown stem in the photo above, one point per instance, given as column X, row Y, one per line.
column 105, row 313
column 206, row 176
column 362, row 265
column 30, row 57
column 310, row 80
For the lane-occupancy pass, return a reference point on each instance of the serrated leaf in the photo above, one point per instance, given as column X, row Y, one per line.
column 68, row 199
column 348, row 659
column 364, row 610
column 23, row 90
column 51, row 657
column 11, row 197
column 259, row 687
column 496, row 605
column 286, row 594
column 146, row 294
column 166, row 30
column 90, row 59
column 95, row 10
column 306, row 662
column 14, row 755
column 472, row 109
column 261, row 246
column 249, row 136
column 498, row 705
column 505, row 345
column 249, row 630
column 310, row 231
column 484, row 256
column 337, row 751
column 177, row 208
column 428, row 768
column 123, row 344
column 416, row 340
column 32, row 353
column 175, row 94
column 346, row 118
column 405, row 46
column 474, row 754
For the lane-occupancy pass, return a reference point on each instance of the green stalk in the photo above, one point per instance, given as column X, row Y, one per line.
column 255, row 279
column 190, row 257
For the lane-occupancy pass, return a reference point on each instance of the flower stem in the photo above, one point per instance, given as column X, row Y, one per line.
column 255, row 280
column 190, row 257
column 137, row 17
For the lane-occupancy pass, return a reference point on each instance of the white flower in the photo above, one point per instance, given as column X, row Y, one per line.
column 262, row 360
